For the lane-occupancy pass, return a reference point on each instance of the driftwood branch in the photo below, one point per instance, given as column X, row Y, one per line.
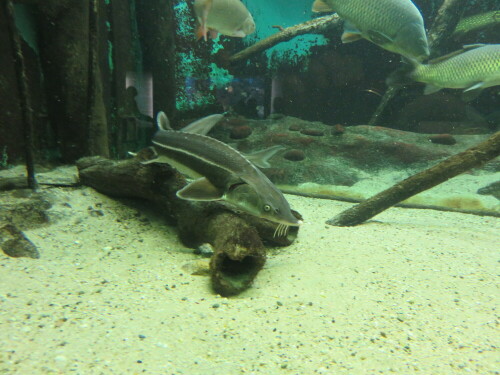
column 24, row 93
column 449, row 168
column 319, row 25
column 238, row 242
column 445, row 23
column 403, row 205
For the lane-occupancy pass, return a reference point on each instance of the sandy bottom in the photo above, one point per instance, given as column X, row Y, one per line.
column 415, row 291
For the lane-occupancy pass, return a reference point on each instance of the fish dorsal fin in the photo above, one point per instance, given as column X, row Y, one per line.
column 320, row 6
column 200, row 190
column 261, row 158
column 203, row 125
column 465, row 48
column 162, row 121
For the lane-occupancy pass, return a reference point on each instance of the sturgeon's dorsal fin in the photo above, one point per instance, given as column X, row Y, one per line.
column 203, row 125
column 162, row 121
column 261, row 158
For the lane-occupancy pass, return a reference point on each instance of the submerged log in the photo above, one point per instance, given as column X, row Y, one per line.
column 239, row 252
column 451, row 167
column 445, row 23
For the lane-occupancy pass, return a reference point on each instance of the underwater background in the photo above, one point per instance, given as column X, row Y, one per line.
column 116, row 260
column 116, row 64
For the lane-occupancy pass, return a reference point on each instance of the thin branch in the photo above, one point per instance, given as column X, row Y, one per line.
column 319, row 25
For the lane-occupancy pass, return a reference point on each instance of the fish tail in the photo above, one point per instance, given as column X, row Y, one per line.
column 401, row 76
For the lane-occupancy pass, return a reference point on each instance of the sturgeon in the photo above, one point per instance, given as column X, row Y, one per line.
column 220, row 172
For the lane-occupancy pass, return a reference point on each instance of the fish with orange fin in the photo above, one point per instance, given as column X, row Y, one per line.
column 226, row 17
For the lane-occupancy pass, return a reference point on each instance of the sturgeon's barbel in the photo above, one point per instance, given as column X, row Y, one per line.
column 221, row 173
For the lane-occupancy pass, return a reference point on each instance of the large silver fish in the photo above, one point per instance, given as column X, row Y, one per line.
column 226, row 17
column 220, row 172
column 395, row 25
column 473, row 69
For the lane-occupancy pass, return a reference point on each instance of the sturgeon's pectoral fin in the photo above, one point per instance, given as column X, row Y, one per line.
column 320, row 6
column 200, row 190
column 158, row 159
column 431, row 89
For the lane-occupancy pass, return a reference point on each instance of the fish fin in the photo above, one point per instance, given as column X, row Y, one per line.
column 431, row 89
column 213, row 34
column 201, row 32
column 348, row 37
column 476, row 86
column 162, row 121
column 261, row 158
column 400, row 77
column 200, row 190
column 455, row 53
column 467, row 47
column 471, row 93
column 351, row 33
column 320, row 6
column 239, row 34
column 203, row 125
column 157, row 159
column 379, row 38
column 206, row 6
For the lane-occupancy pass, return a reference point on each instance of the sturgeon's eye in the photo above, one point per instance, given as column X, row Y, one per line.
column 267, row 208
